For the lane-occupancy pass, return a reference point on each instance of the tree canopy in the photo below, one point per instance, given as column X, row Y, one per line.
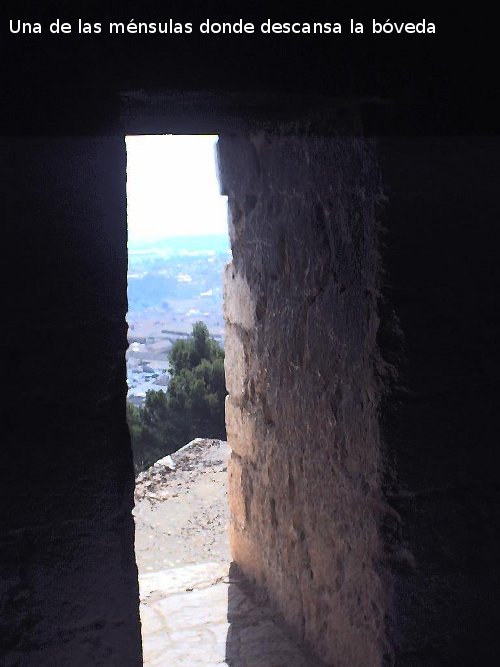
column 192, row 406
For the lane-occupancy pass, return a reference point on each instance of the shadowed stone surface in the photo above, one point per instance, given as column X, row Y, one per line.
column 68, row 579
column 440, row 422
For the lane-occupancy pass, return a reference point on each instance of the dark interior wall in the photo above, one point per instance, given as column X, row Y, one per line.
column 441, row 423
column 69, row 588
column 69, row 585
column 68, row 574
column 71, row 84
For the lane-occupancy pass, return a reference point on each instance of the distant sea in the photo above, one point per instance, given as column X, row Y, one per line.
column 180, row 245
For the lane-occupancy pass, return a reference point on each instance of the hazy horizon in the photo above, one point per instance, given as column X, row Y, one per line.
column 217, row 241
column 172, row 189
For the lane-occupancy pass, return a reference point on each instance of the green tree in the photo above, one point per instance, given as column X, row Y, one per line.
column 193, row 405
column 188, row 354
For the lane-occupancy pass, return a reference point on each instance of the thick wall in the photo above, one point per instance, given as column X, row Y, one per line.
column 67, row 570
column 301, row 352
column 363, row 392
column 369, row 518
column 440, row 424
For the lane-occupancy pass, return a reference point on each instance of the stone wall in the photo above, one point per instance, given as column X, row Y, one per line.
column 370, row 519
column 68, row 580
column 440, row 424
column 301, row 357
column 362, row 392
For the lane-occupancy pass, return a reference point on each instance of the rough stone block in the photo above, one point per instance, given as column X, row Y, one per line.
column 236, row 495
column 241, row 428
column 246, row 553
column 239, row 303
column 296, row 368
column 235, row 364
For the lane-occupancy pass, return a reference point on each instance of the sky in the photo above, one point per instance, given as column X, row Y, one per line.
column 172, row 188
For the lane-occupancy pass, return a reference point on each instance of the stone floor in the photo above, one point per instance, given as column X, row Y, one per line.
column 199, row 615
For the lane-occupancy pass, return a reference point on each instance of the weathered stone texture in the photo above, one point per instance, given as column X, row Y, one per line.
column 301, row 327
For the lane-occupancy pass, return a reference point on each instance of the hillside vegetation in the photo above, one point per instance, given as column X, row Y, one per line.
column 192, row 406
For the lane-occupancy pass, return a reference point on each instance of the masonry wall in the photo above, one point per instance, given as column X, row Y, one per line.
column 440, row 424
column 67, row 570
column 301, row 328
column 363, row 407
column 361, row 357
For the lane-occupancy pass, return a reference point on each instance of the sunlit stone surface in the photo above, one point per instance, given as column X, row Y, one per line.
column 200, row 615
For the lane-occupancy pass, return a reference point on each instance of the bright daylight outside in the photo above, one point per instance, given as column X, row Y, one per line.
column 195, row 606
column 178, row 247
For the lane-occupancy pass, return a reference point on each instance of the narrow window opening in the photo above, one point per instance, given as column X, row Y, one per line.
column 178, row 247
column 196, row 606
